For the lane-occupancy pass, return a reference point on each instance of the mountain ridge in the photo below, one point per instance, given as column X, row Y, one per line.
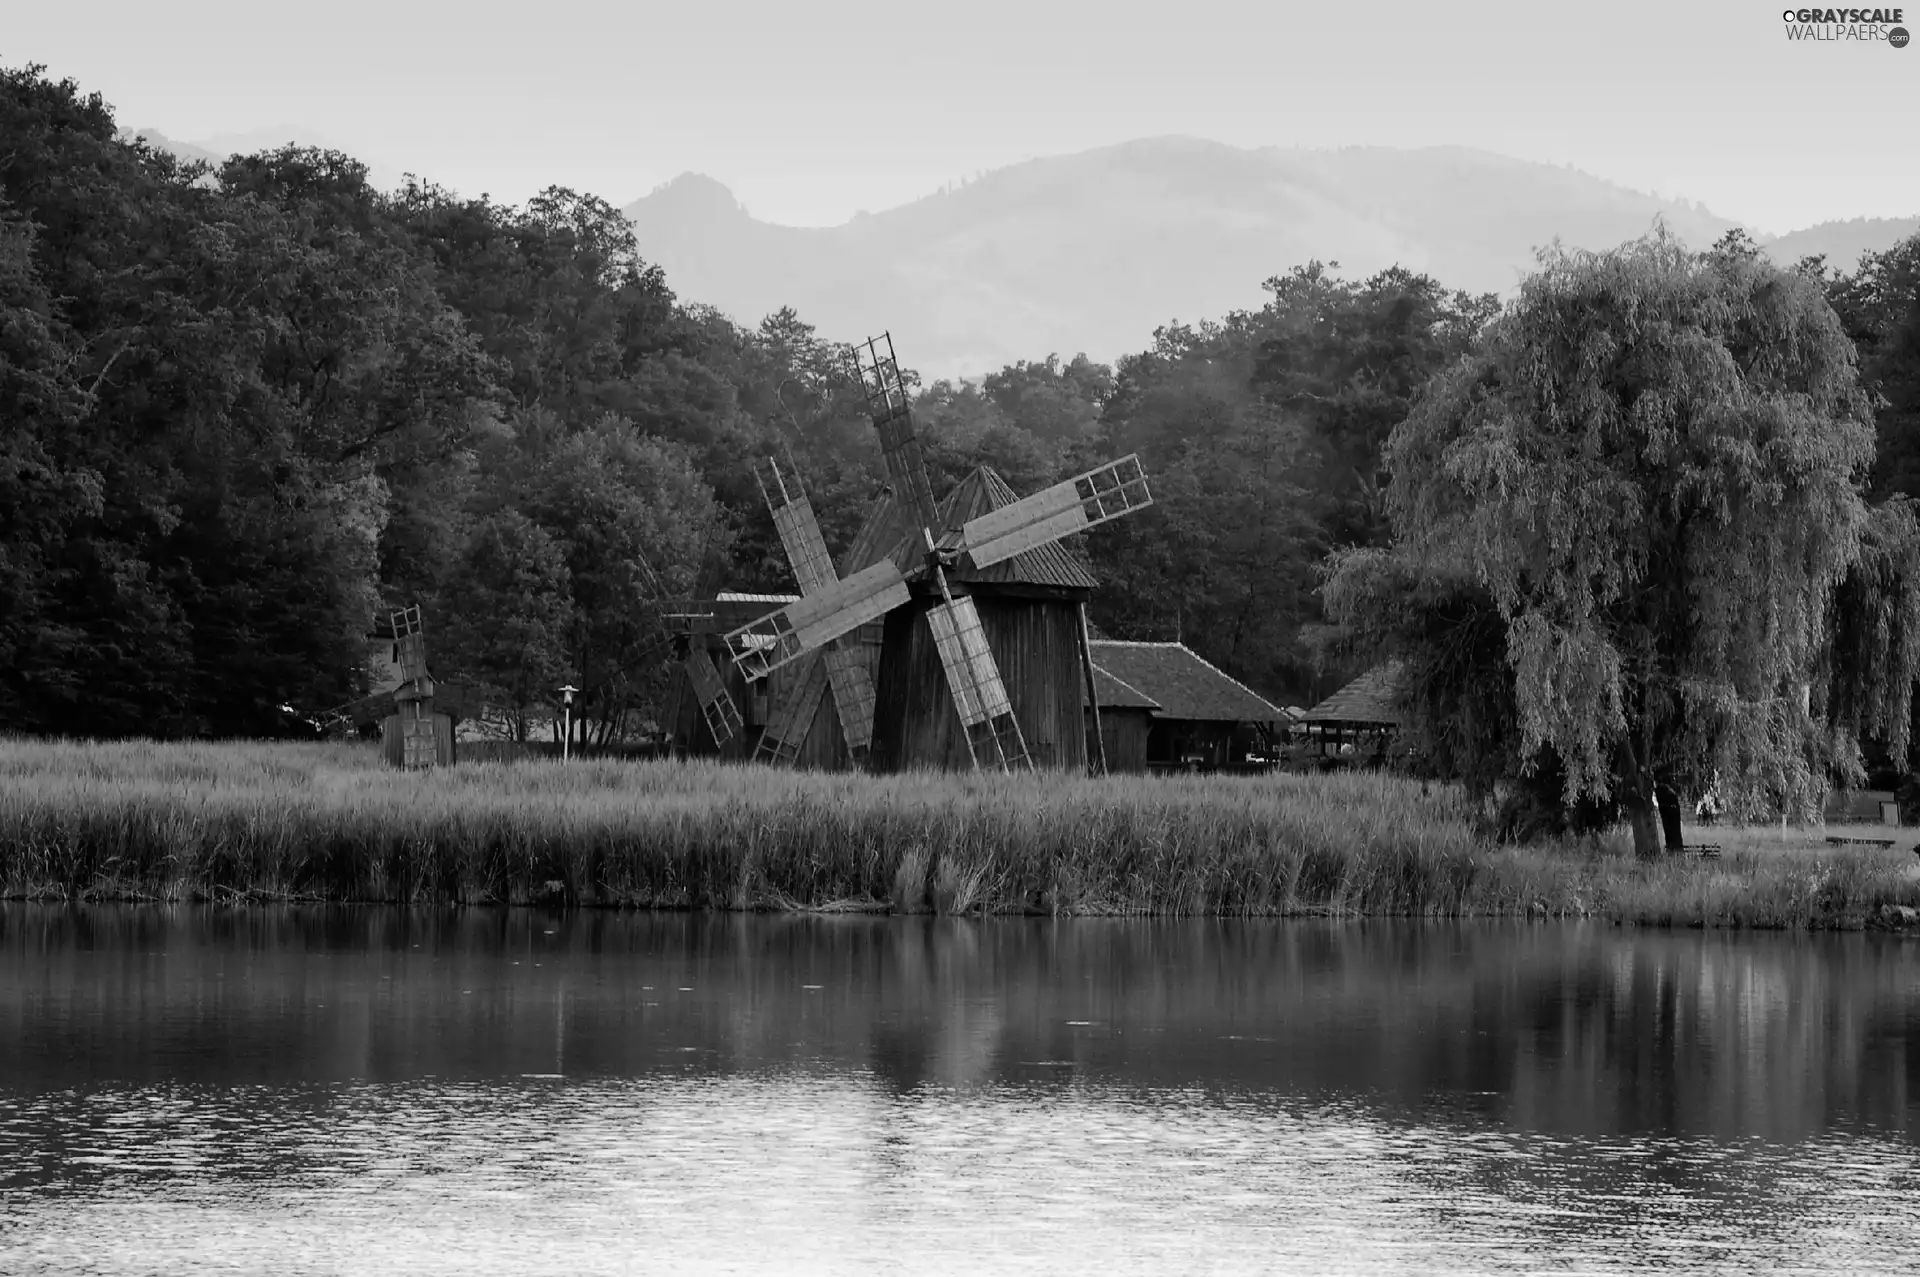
column 1091, row 251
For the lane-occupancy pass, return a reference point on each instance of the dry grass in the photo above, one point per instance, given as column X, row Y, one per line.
column 253, row 821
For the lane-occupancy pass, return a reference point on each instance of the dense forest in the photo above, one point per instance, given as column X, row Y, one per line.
column 243, row 409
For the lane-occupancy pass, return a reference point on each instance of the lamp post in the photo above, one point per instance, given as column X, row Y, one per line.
column 566, row 740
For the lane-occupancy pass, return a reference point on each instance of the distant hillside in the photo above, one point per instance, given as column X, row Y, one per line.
column 1843, row 243
column 161, row 142
column 1090, row 252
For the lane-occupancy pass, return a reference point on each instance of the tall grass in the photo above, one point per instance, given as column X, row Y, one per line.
column 227, row 821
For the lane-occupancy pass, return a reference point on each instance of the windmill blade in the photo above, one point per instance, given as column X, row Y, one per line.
column 762, row 646
column 886, row 392
column 853, row 696
column 722, row 715
column 410, row 644
column 799, row 532
column 1073, row 505
column 986, row 715
column 785, row 735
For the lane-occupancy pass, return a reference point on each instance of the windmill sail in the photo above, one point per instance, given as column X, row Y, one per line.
column 409, row 644
column 886, row 393
column 784, row 736
column 1073, row 505
column 986, row 715
column 799, row 534
column 762, row 646
column 853, row 696
column 846, row 667
column 723, row 717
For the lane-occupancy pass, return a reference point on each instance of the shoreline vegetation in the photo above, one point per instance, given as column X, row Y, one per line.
column 327, row 823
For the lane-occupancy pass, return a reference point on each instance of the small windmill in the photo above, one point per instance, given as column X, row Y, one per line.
column 831, row 606
column 686, row 624
column 414, row 696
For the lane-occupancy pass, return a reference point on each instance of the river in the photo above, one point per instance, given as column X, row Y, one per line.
column 198, row 1090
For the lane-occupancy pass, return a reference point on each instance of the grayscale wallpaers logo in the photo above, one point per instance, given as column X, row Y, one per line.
column 1849, row 26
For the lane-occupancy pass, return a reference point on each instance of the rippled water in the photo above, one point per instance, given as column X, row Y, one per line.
column 378, row 1091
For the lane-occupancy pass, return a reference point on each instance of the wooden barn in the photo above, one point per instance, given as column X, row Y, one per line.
column 1163, row 706
column 1030, row 609
column 1358, row 722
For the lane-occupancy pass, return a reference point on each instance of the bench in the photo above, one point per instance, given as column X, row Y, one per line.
column 1705, row 850
column 1836, row 841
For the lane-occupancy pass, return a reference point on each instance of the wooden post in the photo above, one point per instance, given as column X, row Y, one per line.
column 1093, row 696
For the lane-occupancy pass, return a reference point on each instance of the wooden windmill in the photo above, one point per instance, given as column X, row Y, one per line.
column 687, row 625
column 417, row 715
column 935, row 572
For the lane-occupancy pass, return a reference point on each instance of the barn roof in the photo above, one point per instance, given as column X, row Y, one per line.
column 887, row 533
column 1182, row 685
column 1115, row 693
column 1368, row 699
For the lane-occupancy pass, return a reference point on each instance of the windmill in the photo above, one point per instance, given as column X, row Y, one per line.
column 416, row 714
column 958, row 547
column 686, row 624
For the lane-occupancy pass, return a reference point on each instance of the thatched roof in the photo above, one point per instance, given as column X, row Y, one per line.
column 1367, row 701
column 1180, row 684
column 888, row 533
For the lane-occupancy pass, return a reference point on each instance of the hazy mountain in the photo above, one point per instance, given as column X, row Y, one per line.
column 1090, row 252
column 1843, row 243
column 161, row 142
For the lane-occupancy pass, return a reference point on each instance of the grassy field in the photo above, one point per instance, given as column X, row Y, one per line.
column 246, row 821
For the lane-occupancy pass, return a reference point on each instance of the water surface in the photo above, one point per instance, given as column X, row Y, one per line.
column 375, row 1091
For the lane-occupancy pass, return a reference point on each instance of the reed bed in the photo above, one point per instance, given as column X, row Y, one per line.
column 250, row 821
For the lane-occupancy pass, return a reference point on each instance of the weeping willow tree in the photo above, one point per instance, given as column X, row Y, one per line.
column 1650, row 474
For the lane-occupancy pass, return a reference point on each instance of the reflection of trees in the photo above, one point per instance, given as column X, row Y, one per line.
column 1564, row 1031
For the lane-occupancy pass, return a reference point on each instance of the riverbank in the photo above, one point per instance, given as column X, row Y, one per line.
column 244, row 821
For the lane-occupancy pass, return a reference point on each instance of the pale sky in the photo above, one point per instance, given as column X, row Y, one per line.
column 810, row 110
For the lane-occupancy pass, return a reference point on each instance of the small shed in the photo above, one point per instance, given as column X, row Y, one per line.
column 1126, row 721
column 1358, row 722
column 1184, row 711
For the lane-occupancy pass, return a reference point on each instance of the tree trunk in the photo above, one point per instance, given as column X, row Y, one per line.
column 1644, row 820
column 1637, row 800
column 1669, row 817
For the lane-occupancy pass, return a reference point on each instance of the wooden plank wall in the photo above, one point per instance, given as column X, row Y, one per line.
column 1124, row 732
column 394, row 750
column 1036, row 643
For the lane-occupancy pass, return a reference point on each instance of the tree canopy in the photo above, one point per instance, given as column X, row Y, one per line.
column 1653, row 466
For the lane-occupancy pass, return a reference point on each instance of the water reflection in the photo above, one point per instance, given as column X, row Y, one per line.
column 361, row 1090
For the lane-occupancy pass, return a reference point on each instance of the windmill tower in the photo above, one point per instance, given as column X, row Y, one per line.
column 924, row 587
